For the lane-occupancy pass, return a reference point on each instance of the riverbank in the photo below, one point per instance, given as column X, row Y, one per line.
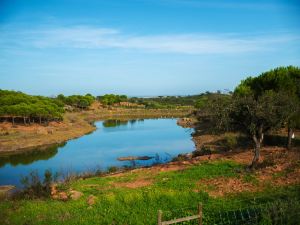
column 220, row 182
column 20, row 138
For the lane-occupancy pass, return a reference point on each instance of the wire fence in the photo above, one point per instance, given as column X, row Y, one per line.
column 279, row 212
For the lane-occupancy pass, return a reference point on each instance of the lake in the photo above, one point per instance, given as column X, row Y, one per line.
column 159, row 138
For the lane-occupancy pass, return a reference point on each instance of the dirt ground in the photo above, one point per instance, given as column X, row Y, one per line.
column 277, row 167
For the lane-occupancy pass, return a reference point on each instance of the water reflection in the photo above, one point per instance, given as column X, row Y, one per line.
column 27, row 158
column 114, row 123
column 118, row 123
column 158, row 138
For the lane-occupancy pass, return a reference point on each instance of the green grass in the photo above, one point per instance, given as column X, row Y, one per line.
column 250, row 178
column 117, row 204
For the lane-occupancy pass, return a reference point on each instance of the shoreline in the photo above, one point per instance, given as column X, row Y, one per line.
column 22, row 138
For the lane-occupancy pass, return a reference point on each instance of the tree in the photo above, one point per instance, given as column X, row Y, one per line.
column 281, row 79
column 110, row 99
column 256, row 116
column 214, row 108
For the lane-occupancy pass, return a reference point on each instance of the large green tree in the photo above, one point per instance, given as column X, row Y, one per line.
column 281, row 79
column 16, row 105
column 256, row 116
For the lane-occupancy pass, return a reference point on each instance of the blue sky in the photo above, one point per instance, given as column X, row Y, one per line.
column 143, row 47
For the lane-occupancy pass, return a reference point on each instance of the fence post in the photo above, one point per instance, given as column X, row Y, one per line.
column 200, row 213
column 159, row 216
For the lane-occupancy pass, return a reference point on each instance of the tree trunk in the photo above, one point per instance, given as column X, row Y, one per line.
column 258, row 142
column 13, row 120
column 24, row 119
column 40, row 119
column 289, row 142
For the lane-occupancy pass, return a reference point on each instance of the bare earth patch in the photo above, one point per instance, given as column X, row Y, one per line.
column 279, row 167
column 221, row 186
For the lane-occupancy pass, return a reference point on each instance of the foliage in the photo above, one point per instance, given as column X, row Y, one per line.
column 231, row 141
column 30, row 108
column 174, row 192
column 215, row 110
column 167, row 101
column 78, row 101
column 34, row 187
column 269, row 111
column 282, row 79
column 110, row 99
column 258, row 105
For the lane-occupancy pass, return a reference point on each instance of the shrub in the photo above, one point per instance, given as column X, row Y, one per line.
column 230, row 141
column 112, row 169
column 203, row 151
column 34, row 187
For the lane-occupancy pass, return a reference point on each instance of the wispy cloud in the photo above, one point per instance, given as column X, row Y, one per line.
column 227, row 4
column 99, row 38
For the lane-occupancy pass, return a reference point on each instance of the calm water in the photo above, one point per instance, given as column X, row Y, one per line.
column 160, row 138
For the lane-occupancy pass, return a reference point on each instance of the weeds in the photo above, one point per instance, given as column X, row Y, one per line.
column 34, row 187
column 170, row 191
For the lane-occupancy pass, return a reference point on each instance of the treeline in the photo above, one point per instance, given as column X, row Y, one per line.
column 160, row 102
column 167, row 101
column 110, row 99
column 77, row 101
column 17, row 106
column 258, row 105
column 23, row 108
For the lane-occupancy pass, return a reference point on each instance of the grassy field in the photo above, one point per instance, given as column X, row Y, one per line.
column 135, row 197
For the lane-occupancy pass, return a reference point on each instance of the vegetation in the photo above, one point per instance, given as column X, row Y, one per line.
column 170, row 101
column 110, row 99
column 258, row 105
column 29, row 109
column 78, row 101
column 177, row 193
column 20, row 107
column 33, row 187
column 284, row 80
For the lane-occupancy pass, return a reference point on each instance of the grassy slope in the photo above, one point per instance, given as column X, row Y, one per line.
column 118, row 203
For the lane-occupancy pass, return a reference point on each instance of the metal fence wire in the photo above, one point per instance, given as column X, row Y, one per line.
column 283, row 212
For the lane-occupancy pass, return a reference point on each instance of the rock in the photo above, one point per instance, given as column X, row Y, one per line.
column 6, row 190
column 62, row 196
column 53, row 190
column 130, row 158
column 75, row 195
column 183, row 157
column 54, row 197
column 185, row 122
column 91, row 200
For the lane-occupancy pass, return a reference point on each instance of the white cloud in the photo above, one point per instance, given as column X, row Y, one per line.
column 99, row 38
column 227, row 4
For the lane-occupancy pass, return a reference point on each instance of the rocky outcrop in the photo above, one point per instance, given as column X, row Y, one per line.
column 64, row 196
column 91, row 200
column 130, row 158
column 75, row 195
column 6, row 190
column 186, row 122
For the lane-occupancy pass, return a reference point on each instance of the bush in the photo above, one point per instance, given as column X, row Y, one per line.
column 34, row 187
column 112, row 169
column 230, row 142
column 203, row 151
